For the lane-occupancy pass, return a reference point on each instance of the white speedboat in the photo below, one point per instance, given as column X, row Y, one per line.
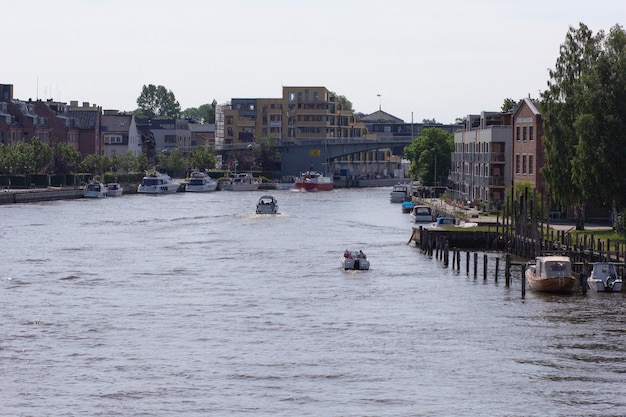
column 267, row 205
column 95, row 189
column 200, row 182
column 422, row 214
column 400, row 193
column 604, row 278
column 354, row 260
column 241, row 182
column 114, row 189
column 157, row 183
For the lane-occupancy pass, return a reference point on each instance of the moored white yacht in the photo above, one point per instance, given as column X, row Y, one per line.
column 200, row 182
column 157, row 183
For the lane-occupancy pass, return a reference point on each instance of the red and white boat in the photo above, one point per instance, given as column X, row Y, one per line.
column 314, row 181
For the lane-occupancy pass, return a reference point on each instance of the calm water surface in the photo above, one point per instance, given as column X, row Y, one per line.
column 192, row 305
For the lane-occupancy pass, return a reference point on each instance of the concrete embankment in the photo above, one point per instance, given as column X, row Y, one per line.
column 39, row 194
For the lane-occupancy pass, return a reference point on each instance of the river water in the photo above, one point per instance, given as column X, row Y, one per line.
column 192, row 305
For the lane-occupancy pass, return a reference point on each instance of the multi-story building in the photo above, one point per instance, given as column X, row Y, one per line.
column 301, row 113
column 119, row 134
column 528, row 153
column 480, row 159
column 170, row 134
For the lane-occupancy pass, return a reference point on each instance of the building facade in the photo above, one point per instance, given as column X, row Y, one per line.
column 301, row 113
column 482, row 151
column 528, row 153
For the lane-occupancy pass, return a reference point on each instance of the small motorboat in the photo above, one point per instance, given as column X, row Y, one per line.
column 267, row 205
column 551, row 274
column 95, row 189
column 422, row 214
column 114, row 189
column 407, row 206
column 604, row 278
column 200, row 182
column 354, row 260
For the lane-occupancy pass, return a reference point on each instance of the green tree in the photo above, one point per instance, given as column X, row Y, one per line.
column 345, row 103
column 430, row 155
column 66, row 158
column 203, row 114
column 157, row 102
column 266, row 153
column 173, row 162
column 583, row 114
column 508, row 105
column 96, row 164
column 202, row 158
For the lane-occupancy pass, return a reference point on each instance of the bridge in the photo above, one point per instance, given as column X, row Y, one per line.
column 315, row 153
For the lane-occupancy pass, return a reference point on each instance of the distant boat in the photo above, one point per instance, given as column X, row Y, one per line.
column 241, row 182
column 95, row 189
column 354, row 260
column 604, row 278
column 314, row 181
column 407, row 207
column 157, row 183
column 267, row 205
column 422, row 214
column 551, row 274
column 401, row 192
column 114, row 189
column 200, row 182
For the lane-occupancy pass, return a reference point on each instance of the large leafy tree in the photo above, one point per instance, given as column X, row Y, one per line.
column 203, row 114
column 157, row 102
column 266, row 153
column 66, row 158
column 430, row 155
column 584, row 118
column 173, row 161
column 202, row 158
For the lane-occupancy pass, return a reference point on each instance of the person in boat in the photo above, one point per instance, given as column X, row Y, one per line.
column 361, row 255
column 346, row 254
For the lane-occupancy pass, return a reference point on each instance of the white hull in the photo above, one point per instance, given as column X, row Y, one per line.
column 95, row 190
column 241, row 187
column 114, row 190
column 352, row 260
column 201, row 188
column 604, row 278
column 156, row 183
column 199, row 182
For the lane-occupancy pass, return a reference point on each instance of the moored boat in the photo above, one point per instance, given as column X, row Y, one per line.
column 241, row 182
column 552, row 274
column 407, row 207
column 157, row 183
column 267, row 205
column 401, row 192
column 354, row 260
column 114, row 189
column 422, row 214
column 314, row 181
column 604, row 278
column 200, row 182
column 95, row 189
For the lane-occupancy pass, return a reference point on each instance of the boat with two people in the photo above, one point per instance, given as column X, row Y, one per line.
column 200, row 182
column 604, row 278
column 114, row 189
column 354, row 260
column 155, row 182
column 314, row 181
column 551, row 274
column 267, row 205
column 244, row 181
column 400, row 193
column 95, row 189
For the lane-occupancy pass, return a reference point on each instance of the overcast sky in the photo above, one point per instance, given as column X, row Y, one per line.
column 421, row 59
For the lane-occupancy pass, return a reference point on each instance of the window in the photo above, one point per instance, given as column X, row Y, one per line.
column 524, row 133
column 517, row 164
column 524, row 164
column 517, row 133
column 531, row 163
column 292, row 96
column 530, row 133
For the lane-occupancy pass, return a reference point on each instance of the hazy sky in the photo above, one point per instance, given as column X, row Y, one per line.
column 433, row 59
